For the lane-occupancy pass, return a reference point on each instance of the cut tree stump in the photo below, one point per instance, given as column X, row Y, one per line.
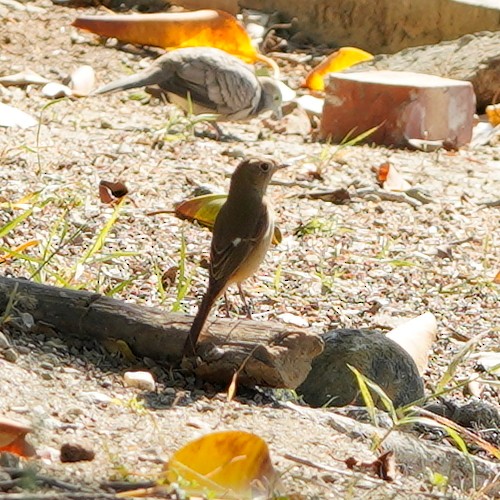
column 264, row 353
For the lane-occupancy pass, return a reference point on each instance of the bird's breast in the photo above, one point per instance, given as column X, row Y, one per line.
column 257, row 254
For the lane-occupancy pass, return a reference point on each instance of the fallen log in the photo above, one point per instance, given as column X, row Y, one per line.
column 264, row 353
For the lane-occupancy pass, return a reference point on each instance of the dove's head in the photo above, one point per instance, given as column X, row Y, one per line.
column 271, row 97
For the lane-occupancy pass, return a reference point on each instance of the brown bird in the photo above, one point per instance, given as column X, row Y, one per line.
column 242, row 234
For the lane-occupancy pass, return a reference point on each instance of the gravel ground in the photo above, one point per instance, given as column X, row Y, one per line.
column 369, row 263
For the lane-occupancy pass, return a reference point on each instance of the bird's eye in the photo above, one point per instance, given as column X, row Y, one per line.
column 265, row 167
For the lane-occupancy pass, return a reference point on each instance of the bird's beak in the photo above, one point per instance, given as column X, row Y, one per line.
column 283, row 165
column 277, row 113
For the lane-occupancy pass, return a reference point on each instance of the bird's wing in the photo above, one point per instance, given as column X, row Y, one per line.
column 214, row 80
column 231, row 250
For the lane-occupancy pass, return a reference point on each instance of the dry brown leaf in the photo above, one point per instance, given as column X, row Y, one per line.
column 112, row 192
column 383, row 466
column 169, row 277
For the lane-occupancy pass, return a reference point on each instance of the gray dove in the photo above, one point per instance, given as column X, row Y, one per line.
column 215, row 81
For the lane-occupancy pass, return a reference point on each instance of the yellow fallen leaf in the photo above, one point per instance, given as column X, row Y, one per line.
column 493, row 114
column 234, row 464
column 204, row 210
column 341, row 59
column 200, row 28
column 118, row 346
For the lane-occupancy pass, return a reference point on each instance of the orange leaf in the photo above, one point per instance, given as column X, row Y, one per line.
column 231, row 460
column 9, row 255
column 383, row 172
column 496, row 279
column 200, row 28
column 12, row 438
column 341, row 59
column 391, row 179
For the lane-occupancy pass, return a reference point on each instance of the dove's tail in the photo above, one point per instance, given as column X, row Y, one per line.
column 151, row 76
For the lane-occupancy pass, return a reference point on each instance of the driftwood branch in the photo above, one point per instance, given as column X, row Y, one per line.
column 265, row 353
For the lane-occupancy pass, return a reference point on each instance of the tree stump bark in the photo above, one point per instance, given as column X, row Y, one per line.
column 264, row 353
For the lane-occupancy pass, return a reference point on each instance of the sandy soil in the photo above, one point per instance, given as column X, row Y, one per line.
column 369, row 263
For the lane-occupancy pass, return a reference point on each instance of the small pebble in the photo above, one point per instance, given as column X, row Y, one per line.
column 9, row 460
column 4, row 342
column 27, row 319
column 95, row 397
column 83, row 80
column 69, row 370
column 141, row 380
column 72, row 452
column 293, row 319
column 20, row 409
column 10, row 355
column 55, row 90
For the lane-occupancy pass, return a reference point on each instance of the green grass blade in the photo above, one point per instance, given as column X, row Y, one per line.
column 365, row 393
column 184, row 281
column 101, row 237
column 455, row 362
column 7, row 228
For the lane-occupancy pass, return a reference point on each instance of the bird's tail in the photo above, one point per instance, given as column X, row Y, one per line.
column 213, row 293
column 150, row 76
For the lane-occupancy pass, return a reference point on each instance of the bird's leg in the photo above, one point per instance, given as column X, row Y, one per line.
column 248, row 308
column 226, row 302
column 212, row 131
column 218, row 130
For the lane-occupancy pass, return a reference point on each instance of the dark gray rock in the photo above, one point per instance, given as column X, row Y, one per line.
column 331, row 383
